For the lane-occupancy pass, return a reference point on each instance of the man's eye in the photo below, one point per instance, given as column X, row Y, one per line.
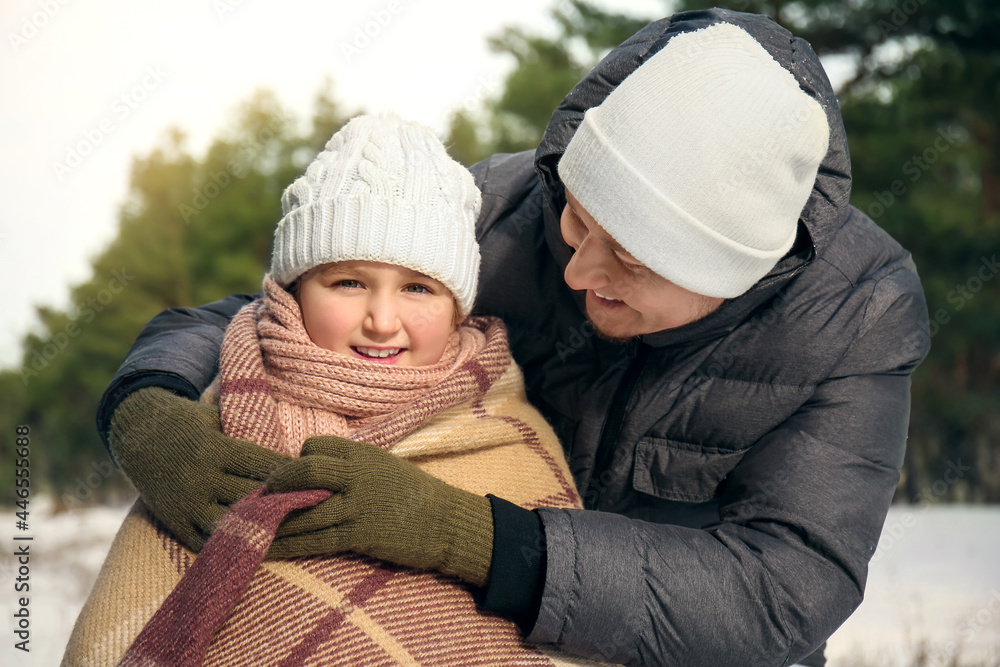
column 573, row 230
column 635, row 268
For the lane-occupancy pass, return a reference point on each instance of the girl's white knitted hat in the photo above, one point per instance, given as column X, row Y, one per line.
column 700, row 162
column 384, row 190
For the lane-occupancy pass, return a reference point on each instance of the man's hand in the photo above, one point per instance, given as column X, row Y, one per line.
column 187, row 472
column 385, row 507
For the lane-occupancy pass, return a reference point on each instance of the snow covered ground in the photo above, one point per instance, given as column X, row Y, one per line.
column 933, row 588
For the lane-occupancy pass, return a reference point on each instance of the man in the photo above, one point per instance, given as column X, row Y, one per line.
column 721, row 342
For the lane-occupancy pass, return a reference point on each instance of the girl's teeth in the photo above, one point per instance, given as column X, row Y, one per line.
column 381, row 354
column 606, row 298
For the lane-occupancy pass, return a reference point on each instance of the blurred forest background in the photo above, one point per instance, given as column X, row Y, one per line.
column 921, row 112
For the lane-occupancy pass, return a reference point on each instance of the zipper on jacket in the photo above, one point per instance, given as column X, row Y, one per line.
column 639, row 352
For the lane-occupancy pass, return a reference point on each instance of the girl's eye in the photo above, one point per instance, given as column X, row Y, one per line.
column 418, row 289
column 350, row 284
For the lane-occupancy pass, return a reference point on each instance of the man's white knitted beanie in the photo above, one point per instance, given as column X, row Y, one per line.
column 383, row 190
column 700, row 162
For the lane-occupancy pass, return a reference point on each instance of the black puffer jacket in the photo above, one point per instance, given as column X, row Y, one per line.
column 743, row 464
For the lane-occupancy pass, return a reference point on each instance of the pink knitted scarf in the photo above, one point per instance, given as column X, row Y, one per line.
column 277, row 388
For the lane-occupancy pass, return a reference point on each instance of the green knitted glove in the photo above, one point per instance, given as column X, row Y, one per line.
column 385, row 507
column 187, row 472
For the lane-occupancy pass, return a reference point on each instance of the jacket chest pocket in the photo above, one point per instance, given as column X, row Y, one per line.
column 681, row 471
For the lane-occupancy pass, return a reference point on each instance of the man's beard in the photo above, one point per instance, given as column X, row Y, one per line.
column 608, row 337
column 701, row 309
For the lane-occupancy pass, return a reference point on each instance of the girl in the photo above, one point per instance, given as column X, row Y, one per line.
column 362, row 332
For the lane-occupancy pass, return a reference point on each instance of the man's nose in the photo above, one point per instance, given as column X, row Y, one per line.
column 589, row 267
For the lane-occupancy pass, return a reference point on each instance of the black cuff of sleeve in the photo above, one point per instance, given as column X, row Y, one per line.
column 117, row 392
column 517, row 569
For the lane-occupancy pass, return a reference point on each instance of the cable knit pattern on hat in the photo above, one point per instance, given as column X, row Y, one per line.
column 383, row 190
column 700, row 162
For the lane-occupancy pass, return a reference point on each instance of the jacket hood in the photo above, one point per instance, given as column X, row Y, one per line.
column 827, row 204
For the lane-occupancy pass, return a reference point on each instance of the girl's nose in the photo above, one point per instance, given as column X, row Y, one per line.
column 383, row 316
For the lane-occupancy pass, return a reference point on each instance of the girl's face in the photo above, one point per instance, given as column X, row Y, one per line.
column 383, row 313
